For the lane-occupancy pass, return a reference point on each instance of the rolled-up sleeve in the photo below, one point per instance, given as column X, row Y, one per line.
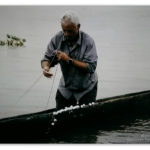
column 90, row 57
column 50, row 55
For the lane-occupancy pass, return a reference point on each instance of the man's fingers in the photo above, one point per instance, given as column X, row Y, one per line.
column 57, row 52
column 59, row 58
column 61, row 55
column 58, row 55
column 47, row 74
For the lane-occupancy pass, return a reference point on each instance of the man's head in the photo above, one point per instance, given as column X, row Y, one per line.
column 70, row 25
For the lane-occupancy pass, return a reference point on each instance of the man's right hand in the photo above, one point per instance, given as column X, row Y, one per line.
column 46, row 72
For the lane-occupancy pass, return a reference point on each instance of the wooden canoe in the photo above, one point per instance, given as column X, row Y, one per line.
column 52, row 121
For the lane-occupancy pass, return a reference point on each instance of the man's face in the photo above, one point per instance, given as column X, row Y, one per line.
column 70, row 30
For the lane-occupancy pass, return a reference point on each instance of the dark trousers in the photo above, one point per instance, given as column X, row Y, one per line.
column 62, row 102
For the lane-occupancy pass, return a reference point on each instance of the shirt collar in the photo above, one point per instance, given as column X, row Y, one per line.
column 78, row 41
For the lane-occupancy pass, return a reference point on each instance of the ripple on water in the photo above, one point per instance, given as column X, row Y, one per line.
column 137, row 132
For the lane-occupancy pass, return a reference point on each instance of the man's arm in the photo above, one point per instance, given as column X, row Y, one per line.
column 65, row 57
column 80, row 64
column 49, row 60
column 90, row 56
column 89, row 60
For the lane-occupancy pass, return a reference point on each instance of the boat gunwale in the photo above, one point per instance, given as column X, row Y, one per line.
column 49, row 111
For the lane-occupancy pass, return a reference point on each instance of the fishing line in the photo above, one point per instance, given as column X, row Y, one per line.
column 28, row 90
column 34, row 83
column 50, row 93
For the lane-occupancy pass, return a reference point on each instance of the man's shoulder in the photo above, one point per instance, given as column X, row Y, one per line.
column 87, row 38
column 57, row 38
column 58, row 35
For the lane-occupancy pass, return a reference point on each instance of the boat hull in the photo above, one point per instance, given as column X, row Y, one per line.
column 51, row 121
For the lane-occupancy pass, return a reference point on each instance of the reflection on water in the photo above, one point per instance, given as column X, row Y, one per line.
column 136, row 132
column 123, row 131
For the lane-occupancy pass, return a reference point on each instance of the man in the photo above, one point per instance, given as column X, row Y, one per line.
column 76, row 53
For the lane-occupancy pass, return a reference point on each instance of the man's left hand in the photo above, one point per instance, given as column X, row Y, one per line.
column 62, row 56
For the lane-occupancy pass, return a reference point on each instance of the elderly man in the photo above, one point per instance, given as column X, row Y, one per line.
column 75, row 51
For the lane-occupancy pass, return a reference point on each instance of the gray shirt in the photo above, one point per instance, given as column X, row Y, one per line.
column 74, row 81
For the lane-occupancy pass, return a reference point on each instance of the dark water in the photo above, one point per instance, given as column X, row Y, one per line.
column 128, row 130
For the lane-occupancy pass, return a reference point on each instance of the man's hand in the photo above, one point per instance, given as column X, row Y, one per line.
column 46, row 72
column 62, row 56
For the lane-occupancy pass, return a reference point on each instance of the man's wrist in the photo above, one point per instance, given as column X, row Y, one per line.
column 71, row 61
